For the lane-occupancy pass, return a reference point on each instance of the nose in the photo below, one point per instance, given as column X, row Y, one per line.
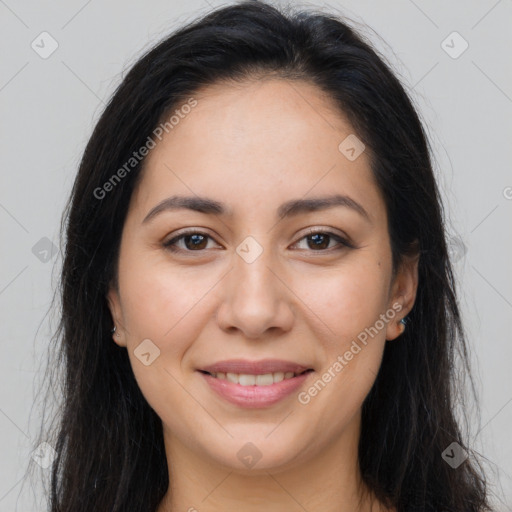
column 255, row 298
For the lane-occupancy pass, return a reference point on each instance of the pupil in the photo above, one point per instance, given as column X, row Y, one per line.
column 197, row 240
column 316, row 238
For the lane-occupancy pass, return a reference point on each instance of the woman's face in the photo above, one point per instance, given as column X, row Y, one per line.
column 249, row 284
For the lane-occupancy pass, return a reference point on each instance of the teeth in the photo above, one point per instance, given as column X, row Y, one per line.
column 254, row 380
column 232, row 377
column 247, row 380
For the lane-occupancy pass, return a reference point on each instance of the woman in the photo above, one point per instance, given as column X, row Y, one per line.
column 258, row 307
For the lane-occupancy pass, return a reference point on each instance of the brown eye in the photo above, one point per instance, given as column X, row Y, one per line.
column 192, row 241
column 319, row 241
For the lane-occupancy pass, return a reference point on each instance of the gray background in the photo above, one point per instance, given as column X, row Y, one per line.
column 48, row 108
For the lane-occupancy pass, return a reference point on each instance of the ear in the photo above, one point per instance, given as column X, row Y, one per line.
column 403, row 293
column 114, row 304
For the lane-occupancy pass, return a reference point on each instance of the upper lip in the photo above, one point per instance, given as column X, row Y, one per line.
column 244, row 366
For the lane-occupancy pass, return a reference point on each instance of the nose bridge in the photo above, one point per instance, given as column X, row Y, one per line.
column 253, row 281
column 255, row 298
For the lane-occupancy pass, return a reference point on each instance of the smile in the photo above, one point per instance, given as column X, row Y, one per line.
column 254, row 391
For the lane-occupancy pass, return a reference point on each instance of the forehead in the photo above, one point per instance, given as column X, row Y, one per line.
column 254, row 141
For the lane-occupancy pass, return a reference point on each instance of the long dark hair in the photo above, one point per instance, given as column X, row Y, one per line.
column 109, row 444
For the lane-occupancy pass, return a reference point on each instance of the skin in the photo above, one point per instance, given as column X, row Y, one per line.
column 254, row 146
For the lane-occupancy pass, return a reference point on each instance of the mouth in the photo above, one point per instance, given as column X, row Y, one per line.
column 248, row 379
column 255, row 384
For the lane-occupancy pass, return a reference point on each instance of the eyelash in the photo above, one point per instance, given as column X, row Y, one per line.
column 170, row 244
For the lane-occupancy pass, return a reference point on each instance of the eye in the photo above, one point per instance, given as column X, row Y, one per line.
column 193, row 241
column 196, row 241
column 320, row 240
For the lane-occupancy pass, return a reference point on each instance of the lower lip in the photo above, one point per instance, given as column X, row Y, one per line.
column 254, row 397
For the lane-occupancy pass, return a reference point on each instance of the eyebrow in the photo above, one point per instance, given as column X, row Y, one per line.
column 288, row 209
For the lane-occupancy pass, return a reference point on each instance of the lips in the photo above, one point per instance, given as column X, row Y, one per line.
column 245, row 367
column 251, row 394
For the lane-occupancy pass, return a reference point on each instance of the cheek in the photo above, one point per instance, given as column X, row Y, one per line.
column 363, row 300
column 346, row 299
column 162, row 302
column 349, row 301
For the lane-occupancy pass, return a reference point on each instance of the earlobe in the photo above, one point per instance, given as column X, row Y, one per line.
column 115, row 311
column 397, row 325
column 404, row 291
column 396, row 329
